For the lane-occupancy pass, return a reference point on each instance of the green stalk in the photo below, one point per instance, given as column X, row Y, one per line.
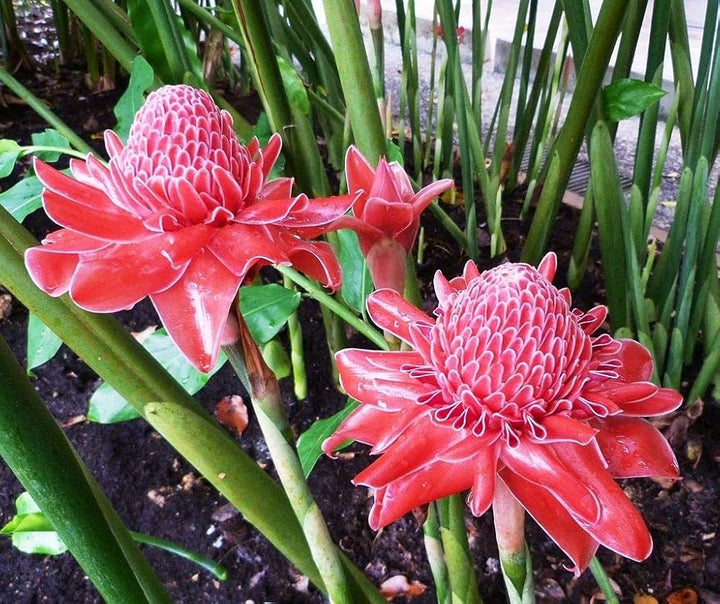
column 270, row 412
column 40, row 455
column 41, row 109
column 170, row 37
column 297, row 357
column 603, row 581
column 568, row 143
column 509, row 518
column 355, row 78
column 436, row 555
column 461, row 570
column 315, row 291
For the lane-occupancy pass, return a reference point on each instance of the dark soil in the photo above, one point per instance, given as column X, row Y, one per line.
column 156, row 492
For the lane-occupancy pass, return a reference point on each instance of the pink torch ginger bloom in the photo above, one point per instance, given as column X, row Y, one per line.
column 182, row 213
column 508, row 384
column 387, row 215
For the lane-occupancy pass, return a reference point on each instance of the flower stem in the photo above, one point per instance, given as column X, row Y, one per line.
column 461, row 570
column 603, row 581
column 316, row 292
column 247, row 360
column 515, row 561
column 436, row 555
column 297, row 356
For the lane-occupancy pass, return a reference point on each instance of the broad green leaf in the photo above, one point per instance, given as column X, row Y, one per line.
column 394, row 153
column 49, row 138
column 30, row 530
column 266, row 309
column 108, row 407
column 23, row 198
column 42, row 343
column 309, row 445
column 357, row 283
column 294, row 87
column 626, row 98
column 9, row 153
column 141, row 79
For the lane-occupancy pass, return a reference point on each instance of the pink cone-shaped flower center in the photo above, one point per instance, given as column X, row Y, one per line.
column 183, row 163
column 505, row 352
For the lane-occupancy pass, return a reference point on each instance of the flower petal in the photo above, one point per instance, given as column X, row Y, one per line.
column 315, row 216
column 434, row 481
column 316, row 259
column 359, row 174
column 559, row 428
column 538, row 463
column 425, row 196
column 633, row 448
column 372, row 426
column 239, row 247
column 270, row 153
column 52, row 264
column 483, row 488
column 194, row 310
column 375, row 377
column 119, row 276
column 396, row 220
column 620, row 526
column 636, row 360
column 419, row 444
column 548, row 266
column 554, row 519
column 663, row 401
column 393, row 313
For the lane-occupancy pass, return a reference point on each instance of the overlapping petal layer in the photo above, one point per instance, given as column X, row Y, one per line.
column 181, row 214
column 508, row 383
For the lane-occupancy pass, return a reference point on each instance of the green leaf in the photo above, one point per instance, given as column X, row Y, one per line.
column 294, row 87
column 625, row 98
column 357, row 283
column 394, row 153
column 49, row 138
column 108, row 407
column 309, row 445
column 9, row 153
column 23, row 198
column 42, row 343
column 31, row 532
column 266, row 309
column 141, row 79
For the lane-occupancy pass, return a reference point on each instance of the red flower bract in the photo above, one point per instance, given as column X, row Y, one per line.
column 181, row 214
column 508, row 383
column 387, row 215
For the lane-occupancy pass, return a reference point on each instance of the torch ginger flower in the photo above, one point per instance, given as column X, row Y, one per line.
column 182, row 213
column 507, row 389
column 387, row 215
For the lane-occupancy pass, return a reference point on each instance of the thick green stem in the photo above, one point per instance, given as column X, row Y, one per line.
column 355, row 78
column 509, row 517
column 436, row 555
column 40, row 455
column 461, row 570
column 270, row 412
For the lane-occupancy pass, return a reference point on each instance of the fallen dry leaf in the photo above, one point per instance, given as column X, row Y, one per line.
column 232, row 413
column 682, row 596
column 644, row 599
column 398, row 585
